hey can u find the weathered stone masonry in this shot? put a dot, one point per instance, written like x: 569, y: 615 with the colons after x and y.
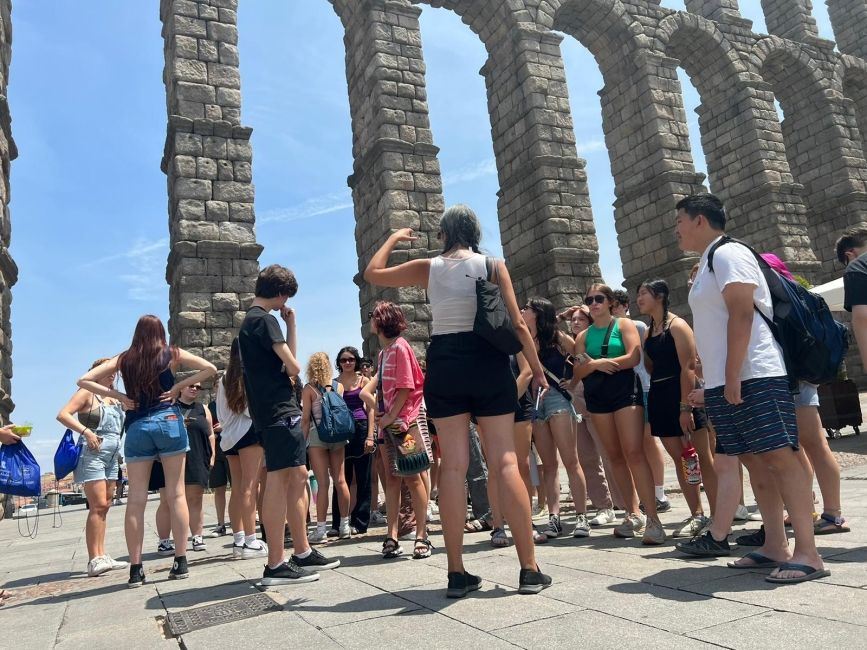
x: 8, y: 269
x: 212, y: 263
x: 790, y: 186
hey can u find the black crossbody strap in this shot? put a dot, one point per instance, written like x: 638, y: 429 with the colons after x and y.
x: 607, y: 338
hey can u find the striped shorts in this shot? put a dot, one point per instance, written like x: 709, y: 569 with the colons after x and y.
x: 764, y: 422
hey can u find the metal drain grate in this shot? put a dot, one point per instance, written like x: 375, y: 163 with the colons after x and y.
x: 236, y: 609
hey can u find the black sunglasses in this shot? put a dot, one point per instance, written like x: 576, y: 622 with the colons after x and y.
x: 347, y: 360
x: 195, y: 388
x: 598, y: 298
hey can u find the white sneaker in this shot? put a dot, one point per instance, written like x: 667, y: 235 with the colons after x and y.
x: 97, y: 566
x: 344, y: 532
x: 582, y: 527
x: 604, y: 516
x: 632, y: 525
x: 691, y: 527
x: 318, y: 536
x: 199, y: 543
x: 742, y: 513
x: 237, y: 551
x: 115, y: 564
x: 248, y: 552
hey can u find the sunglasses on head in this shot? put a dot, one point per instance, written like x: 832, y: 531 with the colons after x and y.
x: 598, y: 299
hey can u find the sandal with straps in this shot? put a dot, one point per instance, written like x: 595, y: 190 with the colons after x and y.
x: 499, y: 538
x: 391, y: 549
x: 422, y: 549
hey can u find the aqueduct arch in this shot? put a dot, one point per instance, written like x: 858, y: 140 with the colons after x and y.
x: 792, y: 194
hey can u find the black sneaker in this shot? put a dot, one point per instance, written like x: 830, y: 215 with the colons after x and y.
x: 661, y: 506
x: 287, y: 573
x: 315, y: 561
x: 705, y: 546
x: 554, y: 527
x: 756, y: 538
x: 136, y: 576
x: 179, y: 569
x: 532, y: 582
x: 460, y: 584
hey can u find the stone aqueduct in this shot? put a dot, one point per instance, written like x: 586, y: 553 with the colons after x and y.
x: 790, y: 186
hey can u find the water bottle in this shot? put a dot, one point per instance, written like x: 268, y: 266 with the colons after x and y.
x: 689, y: 463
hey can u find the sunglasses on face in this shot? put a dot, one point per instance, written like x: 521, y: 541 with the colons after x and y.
x: 195, y: 388
x: 347, y: 360
x: 599, y: 299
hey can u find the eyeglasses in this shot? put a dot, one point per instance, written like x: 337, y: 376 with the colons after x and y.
x: 599, y: 299
x: 347, y: 360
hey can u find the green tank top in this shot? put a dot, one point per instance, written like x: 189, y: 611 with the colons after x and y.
x: 596, y: 335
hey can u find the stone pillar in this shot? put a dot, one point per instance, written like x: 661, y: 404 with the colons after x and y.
x: 714, y: 9
x: 849, y: 20
x: 8, y: 269
x: 792, y: 19
x: 396, y: 179
x: 546, y: 221
x: 212, y: 263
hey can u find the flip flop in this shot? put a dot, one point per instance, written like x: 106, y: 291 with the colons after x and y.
x: 759, y: 562
x: 809, y: 572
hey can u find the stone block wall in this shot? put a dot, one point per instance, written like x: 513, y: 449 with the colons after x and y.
x: 212, y: 264
x: 8, y: 269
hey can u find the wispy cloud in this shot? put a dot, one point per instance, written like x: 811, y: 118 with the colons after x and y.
x: 313, y: 207
x: 141, y: 268
x: 473, y: 172
x: 591, y: 146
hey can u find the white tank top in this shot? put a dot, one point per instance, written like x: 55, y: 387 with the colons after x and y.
x: 452, y: 294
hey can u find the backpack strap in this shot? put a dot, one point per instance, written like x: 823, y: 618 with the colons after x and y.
x: 607, y: 339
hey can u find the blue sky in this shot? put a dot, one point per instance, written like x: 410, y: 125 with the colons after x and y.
x: 89, y: 201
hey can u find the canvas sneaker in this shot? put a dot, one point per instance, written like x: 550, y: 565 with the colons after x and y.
x: 179, y: 569
x: 287, y: 573
x: 166, y: 547
x: 582, y: 526
x: 554, y: 528
x: 199, y: 543
x: 136, y: 576
x: 218, y: 531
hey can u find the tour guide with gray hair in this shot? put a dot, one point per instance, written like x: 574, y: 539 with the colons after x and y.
x: 466, y: 376
x: 747, y: 399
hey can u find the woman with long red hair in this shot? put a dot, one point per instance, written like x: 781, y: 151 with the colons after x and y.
x: 154, y: 428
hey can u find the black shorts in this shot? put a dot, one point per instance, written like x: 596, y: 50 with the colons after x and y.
x: 606, y: 393
x: 466, y: 374
x: 220, y: 473
x: 663, y: 409
x: 524, y: 410
x: 249, y: 439
x: 284, y: 444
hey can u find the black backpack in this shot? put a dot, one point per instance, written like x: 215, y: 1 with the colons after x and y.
x: 813, y: 343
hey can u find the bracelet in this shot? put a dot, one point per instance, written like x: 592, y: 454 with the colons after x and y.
x: 685, y: 408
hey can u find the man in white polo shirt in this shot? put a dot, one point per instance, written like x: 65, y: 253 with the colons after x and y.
x: 747, y: 397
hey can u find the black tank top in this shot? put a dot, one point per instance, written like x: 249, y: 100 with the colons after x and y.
x: 555, y: 362
x: 662, y: 351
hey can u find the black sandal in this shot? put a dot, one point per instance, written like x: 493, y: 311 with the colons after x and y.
x: 422, y: 549
x: 391, y: 549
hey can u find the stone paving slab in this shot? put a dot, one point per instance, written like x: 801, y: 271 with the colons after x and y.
x: 618, y: 590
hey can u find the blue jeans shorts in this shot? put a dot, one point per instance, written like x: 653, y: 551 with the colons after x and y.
x: 808, y: 395
x: 554, y: 403
x: 100, y: 464
x: 159, y: 434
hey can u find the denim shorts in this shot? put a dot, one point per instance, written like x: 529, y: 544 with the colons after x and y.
x: 158, y: 434
x: 808, y: 395
x: 98, y: 464
x: 553, y: 404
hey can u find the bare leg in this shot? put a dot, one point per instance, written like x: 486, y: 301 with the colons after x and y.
x: 335, y: 458
x: 704, y: 442
x: 454, y: 434
x: 630, y: 430
x: 173, y: 466
x: 523, y: 436
x: 163, y: 518
x: 503, y: 462
x: 220, y: 505
x: 246, y: 485
x: 98, y: 498
x: 770, y: 502
x: 564, y: 436
x: 139, y: 474
x: 729, y: 486
x: 815, y: 445
x: 547, y: 449
x: 692, y: 493
x: 654, y: 457
x: 607, y: 431
x: 195, y: 495
x: 236, y: 497
x: 318, y: 458
x: 591, y: 464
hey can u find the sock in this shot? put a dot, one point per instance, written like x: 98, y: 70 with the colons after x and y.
x: 238, y: 538
x: 305, y: 554
x: 167, y: 540
x: 344, y: 520
x: 251, y: 541
x: 274, y: 566
x: 660, y: 493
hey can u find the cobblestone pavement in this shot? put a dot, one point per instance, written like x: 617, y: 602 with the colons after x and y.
x: 607, y: 593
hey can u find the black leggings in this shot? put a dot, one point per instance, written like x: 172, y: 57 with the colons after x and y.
x: 360, y: 466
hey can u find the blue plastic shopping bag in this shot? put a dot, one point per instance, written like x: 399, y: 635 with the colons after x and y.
x: 19, y: 471
x: 66, y: 456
